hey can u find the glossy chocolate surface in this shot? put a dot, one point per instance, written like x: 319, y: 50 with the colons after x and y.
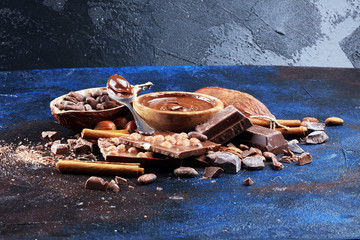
x: 177, y: 102
x: 119, y: 85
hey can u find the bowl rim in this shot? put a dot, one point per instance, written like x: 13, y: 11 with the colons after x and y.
x: 60, y: 98
x: 218, y: 103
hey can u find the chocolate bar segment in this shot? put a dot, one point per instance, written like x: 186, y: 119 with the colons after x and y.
x: 113, y: 151
x: 175, y: 145
x: 266, y: 139
x: 224, y: 125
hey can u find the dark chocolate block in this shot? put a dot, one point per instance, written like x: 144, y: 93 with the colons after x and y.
x: 267, y: 140
x: 174, y: 145
x: 224, y: 125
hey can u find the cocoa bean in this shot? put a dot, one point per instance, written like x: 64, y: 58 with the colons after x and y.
x: 147, y: 178
x: 185, y: 172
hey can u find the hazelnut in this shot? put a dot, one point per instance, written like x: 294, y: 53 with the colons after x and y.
x: 120, y: 122
x: 105, y: 125
x: 121, y: 148
x: 131, y: 126
x: 133, y: 150
x: 166, y: 144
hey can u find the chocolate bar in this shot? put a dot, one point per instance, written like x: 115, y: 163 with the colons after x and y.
x: 224, y: 125
x: 266, y: 139
x: 175, y: 145
x: 113, y: 151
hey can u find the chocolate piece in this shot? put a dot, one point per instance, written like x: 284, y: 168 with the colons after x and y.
x: 51, y: 135
x: 96, y: 183
x: 276, y: 164
x: 83, y: 146
x: 198, y: 135
x: 267, y: 140
x: 112, y: 150
x: 113, y: 186
x: 287, y: 159
x: 253, y: 163
x: 304, y: 158
x: 316, y: 137
x: 59, y: 148
x: 176, y: 145
x: 185, y: 172
x: 315, y: 126
x: 249, y: 152
x: 120, y: 180
x: 147, y: 178
x: 295, y: 148
x: 71, y: 143
x: 229, y: 162
x: 213, y: 172
x: 225, y: 125
x: 248, y: 182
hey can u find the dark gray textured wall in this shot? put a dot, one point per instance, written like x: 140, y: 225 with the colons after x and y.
x: 79, y: 33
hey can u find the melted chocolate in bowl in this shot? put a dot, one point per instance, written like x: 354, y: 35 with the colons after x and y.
x: 177, y: 103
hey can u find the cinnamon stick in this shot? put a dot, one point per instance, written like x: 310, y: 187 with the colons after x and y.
x: 96, y: 134
x: 293, y: 132
x: 98, y: 168
x: 266, y: 122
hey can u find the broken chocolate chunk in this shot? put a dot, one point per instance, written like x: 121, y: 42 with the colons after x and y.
x: 225, y: 125
x: 51, y: 135
x: 83, y: 146
x: 304, y: 158
x: 295, y: 148
x: 72, y: 143
x: 253, y: 163
x: 59, y: 149
x: 96, y: 183
x: 316, y: 137
x: 249, y: 152
x: 213, y: 172
x: 229, y: 162
x: 315, y: 126
x: 267, y: 140
x: 248, y: 182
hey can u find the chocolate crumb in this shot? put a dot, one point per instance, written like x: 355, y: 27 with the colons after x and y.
x: 248, y: 182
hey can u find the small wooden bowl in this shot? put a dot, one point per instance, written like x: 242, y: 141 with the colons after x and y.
x: 173, y: 120
x: 78, y: 120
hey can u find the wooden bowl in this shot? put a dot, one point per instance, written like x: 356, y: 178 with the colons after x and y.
x: 175, y: 121
x: 77, y: 120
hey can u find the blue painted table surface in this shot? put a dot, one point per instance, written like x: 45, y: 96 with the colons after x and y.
x: 318, y: 200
